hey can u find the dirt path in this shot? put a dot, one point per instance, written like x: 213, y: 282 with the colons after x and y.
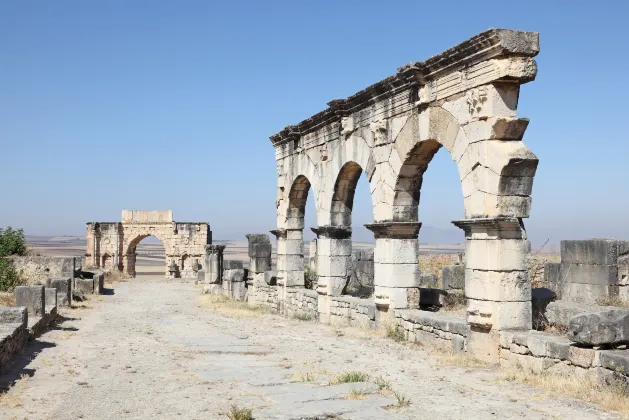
x: 152, y: 351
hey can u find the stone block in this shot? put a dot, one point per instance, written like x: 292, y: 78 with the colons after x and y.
x: 333, y: 247
x: 588, y: 274
x: 499, y: 315
x: 84, y: 286
x: 50, y: 297
x: 453, y: 277
x: 14, y: 315
x: 590, y: 251
x: 497, y: 254
x: 259, y: 265
x: 397, y: 251
x: 560, y: 312
x: 64, y: 290
x: 600, y: 328
x: 270, y: 277
x: 33, y: 298
x: 552, y: 275
x: 484, y: 344
x: 458, y: 344
x: 531, y: 363
x: 397, y: 275
x: 259, y: 245
x: 615, y: 360
x: 234, y: 275
x: 586, y: 293
x: 510, y: 286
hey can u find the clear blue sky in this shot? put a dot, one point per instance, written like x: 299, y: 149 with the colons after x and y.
x: 107, y: 105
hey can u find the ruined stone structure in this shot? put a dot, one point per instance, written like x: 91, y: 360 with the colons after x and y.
x: 463, y: 100
x: 112, y: 245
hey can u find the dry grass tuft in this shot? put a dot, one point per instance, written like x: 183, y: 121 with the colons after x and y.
x: 356, y: 394
x: 239, y: 413
x: 432, y: 264
x: 12, y: 398
x: 612, y: 301
x: 349, y: 377
x: 7, y: 299
x: 609, y: 397
x: 226, y: 306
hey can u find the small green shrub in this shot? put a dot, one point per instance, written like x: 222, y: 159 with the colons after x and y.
x: 396, y: 333
x: 12, y: 242
x: 9, y: 277
x: 382, y: 384
x: 402, y: 401
x: 302, y: 316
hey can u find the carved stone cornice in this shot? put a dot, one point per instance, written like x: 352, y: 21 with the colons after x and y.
x: 493, y: 43
x: 395, y: 230
x: 333, y: 232
x: 492, y: 227
x: 215, y: 249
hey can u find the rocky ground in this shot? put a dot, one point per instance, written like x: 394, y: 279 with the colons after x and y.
x: 154, y: 349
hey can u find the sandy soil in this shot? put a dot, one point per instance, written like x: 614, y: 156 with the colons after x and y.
x: 151, y: 349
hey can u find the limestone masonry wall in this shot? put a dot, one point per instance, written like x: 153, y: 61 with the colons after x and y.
x: 36, y: 269
x: 301, y: 303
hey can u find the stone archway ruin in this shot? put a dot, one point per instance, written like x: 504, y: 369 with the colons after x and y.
x: 463, y: 100
x: 112, y: 245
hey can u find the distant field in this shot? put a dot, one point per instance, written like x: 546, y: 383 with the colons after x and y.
x: 151, y: 255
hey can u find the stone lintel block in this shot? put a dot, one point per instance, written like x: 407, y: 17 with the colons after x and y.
x: 497, y: 255
x: 492, y: 228
x: 391, y: 297
x: 501, y: 286
x: 486, y: 314
x: 396, y: 251
x: 396, y: 275
x: 50, y: 296
x: 590, y: 251
x: 14, y: 315
x: 32, y: 297
x: 453, y: 277
x: 589, y: 274
x: 334, y: 247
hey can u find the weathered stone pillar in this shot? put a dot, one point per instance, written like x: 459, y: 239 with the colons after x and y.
x: 214, y: 266
x: 334, y: 251
x: 260, y: 251
x: 290, y: 246
x: 396, y: 265
x: 129, y: 264
x: 497, y: 284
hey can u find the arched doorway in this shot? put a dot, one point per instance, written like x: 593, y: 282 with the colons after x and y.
x: 146, y: 256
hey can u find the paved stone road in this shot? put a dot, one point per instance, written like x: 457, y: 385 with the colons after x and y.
x: 151, y: 351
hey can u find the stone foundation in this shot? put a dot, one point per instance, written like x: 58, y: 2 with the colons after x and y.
x: 434, y: 328
x: 346, y: 310
x: 301, y: 303
x: 13, y: 333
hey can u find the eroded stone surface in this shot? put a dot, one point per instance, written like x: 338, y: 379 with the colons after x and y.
x: 600, y: 328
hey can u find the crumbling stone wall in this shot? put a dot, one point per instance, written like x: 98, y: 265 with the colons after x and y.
x: 441, y: 330
x: 112, y: 245
x: 37, y: 269
x: 301, y: 303
x: 346, y: 310
x: 13, y: 333
x: 464, y: 101
x: 590, y: 270
x: 263, y: 294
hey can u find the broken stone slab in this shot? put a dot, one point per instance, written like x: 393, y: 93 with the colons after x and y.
x: 560, y: 312
x: 85, y: 286
x: 33, y: 298
x: 50, y: 298
x: 64, y: 289
x: 14, y: 315
x: 600, y: 328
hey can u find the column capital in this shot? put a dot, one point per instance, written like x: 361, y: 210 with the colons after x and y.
x: 395, y: 230
x: 492, y: 228
x: 333, y: 232
x: 279, y: 233
x: 215, y: 249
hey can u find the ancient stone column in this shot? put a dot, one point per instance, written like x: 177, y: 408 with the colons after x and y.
x: 260, y: 251
x: 334, y: 250
x: 129, y: 264
x: 214, y: 265
x: 497, y: 284
x: 396, y: 268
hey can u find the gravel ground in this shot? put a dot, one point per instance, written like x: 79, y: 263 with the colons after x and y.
x: 151, y: 350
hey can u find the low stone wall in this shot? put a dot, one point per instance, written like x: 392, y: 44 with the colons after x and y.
x: 301, y: 303
x: 263, y: 294
x: 539, y: 352
x: 435, y: 328
x: 346, y: 310
x: 13, y: 333
x: 37, y: 269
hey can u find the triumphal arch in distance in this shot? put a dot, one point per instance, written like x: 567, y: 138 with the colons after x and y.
x: 112, y: 245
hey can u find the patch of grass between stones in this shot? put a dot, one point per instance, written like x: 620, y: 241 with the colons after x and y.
x: 239, y: 413
x: 349, y: 377
x: 226, y: 306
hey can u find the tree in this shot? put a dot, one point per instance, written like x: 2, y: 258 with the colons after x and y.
x: 12, y: 242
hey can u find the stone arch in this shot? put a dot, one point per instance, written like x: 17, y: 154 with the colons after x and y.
x: 129, y: 252
x: 297, y: 198
x: 343, y: 194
